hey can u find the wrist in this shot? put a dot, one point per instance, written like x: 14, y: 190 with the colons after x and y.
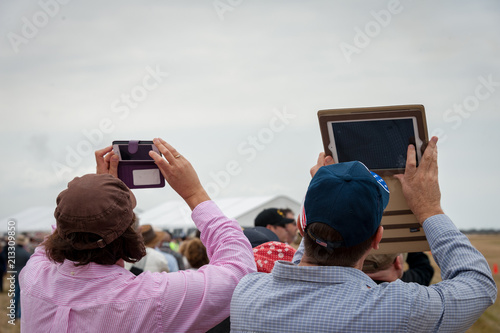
x: 196, y: 199
x: 422, y: 217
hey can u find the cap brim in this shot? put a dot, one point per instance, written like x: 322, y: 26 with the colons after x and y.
x: 287, y: 221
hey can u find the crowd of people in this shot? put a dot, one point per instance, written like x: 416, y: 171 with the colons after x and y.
x: 103, y: 270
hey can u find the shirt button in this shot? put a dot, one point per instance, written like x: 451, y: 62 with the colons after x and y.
x: 72, y: 273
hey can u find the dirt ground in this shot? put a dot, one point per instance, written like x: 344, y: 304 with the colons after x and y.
x: 488, y: 245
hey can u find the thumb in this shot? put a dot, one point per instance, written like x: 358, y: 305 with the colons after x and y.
x: 113, y: 166
x: 400, y: 177
x: 328, y: 160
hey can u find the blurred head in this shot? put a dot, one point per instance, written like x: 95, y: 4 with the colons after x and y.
x: 384, y: 267
x: 267, y: 254
x: 259, y: 235
x: 152, y: 238
x: 196, y: 253
x: 276, y: 221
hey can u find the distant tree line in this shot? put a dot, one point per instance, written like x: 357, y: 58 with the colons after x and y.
x: 481, y: 231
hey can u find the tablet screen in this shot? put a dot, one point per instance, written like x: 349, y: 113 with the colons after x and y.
x: 379, y: 143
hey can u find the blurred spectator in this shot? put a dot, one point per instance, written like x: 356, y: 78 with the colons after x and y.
x: 196, y: 253
x: 165, y: 247
x: 260, y: 235
x: 275, y: 220
x: 419, y: 269
x: 153, y: 261
x: 288, y: 213
x: 3, y: 262
x: 159, y: 236
x: 268, y: 253
x: 390, y: 267
x: 291, y: 228
x: 267, y: 249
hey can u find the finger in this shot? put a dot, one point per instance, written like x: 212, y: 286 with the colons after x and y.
x: 164, y: 148
x: 107, y: 158
x: 171, y: 149
x: 400, y: 177
x: 160, y: 162
x: 102, y: 165
x: 433, y: 167
x: 329, y: 160
x: 321, y: 159
x: 113, y: 166
x: 430, y: 151
x: 411, y: 160
x: 103, y: 151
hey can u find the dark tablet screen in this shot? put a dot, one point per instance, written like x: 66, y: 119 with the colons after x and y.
x: 379, y: 144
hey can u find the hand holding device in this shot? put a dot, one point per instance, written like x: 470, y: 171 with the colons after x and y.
x: 179, y: 173
x: 420, y: 185
x: 136, y: 168
x: 107, y: 161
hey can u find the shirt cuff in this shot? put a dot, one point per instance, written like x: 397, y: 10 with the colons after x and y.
x: 436, y: 225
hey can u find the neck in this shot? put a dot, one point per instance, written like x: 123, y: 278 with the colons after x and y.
x: 388, y: 275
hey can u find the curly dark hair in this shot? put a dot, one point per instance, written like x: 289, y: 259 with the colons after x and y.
x: 129, y: 247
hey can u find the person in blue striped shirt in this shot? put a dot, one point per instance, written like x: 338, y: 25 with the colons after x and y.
x: 328, y: 292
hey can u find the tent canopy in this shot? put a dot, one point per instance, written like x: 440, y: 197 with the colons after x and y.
x: 176, y: 215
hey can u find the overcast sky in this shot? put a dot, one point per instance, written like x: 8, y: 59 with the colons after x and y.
x: 212, y: 77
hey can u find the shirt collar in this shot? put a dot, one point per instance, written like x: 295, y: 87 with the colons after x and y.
x: 321, y: 274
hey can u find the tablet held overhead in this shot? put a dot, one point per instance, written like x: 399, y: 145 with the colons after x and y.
x: 379, y: 137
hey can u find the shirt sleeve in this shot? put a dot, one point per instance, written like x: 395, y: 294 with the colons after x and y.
x: 198, y: 300
x: 467, y: 289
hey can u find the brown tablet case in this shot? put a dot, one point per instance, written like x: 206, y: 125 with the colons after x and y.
x: 402, y: 232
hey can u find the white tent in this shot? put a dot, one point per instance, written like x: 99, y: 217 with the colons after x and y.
x: 176, y: 215
x: 39, y: 218
x: 172, y: 215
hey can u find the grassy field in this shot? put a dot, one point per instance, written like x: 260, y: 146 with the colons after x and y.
x: 489, y: 245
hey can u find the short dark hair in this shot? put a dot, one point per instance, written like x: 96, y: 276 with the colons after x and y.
x: 342, y: 256
x: 286, y: 211
x: 129, y: 247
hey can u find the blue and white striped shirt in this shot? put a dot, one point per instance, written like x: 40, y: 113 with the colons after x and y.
x: 340, y: 299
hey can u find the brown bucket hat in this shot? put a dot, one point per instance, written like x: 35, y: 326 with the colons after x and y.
x: 95, y: 203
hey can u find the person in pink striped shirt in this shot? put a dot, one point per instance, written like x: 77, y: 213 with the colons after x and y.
x: 75, y: 281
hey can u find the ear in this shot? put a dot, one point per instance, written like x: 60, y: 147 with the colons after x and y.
x: 378, y: 238
x: 270, y: 227
x: 398, y: 263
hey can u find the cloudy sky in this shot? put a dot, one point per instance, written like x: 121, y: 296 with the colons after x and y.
x: 212, y: 77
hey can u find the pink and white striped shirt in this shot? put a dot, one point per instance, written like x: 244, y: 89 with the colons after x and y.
x: 100, y: 298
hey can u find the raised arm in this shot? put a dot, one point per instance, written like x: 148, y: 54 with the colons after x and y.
x: 468, y: 288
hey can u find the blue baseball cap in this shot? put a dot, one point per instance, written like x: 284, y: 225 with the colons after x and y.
x: 347, y: 197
